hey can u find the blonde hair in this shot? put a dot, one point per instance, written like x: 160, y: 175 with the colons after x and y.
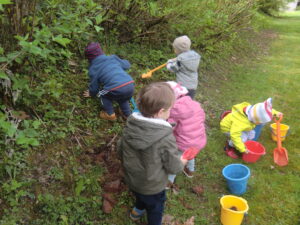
x: 154, y: 97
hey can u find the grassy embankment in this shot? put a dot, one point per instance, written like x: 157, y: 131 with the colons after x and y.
x: 273, y: 192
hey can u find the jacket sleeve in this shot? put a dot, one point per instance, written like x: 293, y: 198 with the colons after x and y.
x: 170, y: 156
x: 94, y: 86
x: 123, y: 62
x: 274, y: 112
x: 177, y: 112
x: 173, y: 65
x: 235, y: 136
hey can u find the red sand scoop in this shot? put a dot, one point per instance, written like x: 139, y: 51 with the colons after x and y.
x: 190, y: 153
x: 280, y: 154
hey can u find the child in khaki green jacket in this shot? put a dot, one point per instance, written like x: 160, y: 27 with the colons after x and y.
x: 239, y: 124
x: 148, y: 151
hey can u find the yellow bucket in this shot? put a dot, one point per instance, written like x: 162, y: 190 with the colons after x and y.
x: 283, y: 131
x: 233, y: 209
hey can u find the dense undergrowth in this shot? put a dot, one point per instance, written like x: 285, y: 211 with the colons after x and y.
x: 49, y: 133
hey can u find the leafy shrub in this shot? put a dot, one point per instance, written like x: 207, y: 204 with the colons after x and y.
x: 70, y: 210
x: 272, y: 7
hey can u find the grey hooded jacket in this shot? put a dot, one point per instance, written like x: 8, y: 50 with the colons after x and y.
x: 186, y: 68
x: 148, y: 153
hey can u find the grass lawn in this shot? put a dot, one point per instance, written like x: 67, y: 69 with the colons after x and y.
x: 273, y: 192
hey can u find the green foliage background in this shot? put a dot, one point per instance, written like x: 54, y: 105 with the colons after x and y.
x: 45, y: 125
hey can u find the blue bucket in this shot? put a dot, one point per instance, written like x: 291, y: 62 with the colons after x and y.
x: 236, y: 176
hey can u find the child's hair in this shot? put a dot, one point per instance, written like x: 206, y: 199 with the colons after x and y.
x: 182, y: 44
x: 154, y: 97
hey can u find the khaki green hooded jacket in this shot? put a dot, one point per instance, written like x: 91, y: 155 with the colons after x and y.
x: 148, y: 153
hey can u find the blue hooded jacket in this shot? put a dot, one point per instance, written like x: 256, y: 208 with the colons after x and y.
x: 108, y: 71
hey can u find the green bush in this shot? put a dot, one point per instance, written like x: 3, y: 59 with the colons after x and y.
x: 272, y: 7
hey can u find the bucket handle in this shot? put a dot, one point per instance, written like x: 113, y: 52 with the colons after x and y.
x: 279, y: 120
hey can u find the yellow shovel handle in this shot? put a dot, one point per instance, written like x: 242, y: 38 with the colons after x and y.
x: 157, y: 68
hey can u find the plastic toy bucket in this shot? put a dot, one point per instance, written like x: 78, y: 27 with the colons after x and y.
x: 255, y: 151
x: 233, y: 209
x: 283, y: 131
x: 236, y: 176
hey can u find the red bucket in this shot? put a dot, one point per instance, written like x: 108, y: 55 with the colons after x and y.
x: 255, y: 151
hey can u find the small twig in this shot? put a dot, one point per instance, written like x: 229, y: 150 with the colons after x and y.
x: 78, y: 141
x: 112, y: 140
x: 39, y: 118
x: 31, y: 81
x: 83, y: 131
x: 71, y: 113
x: 82, y: 138
x: 138, y: 36
x: 5, y: 65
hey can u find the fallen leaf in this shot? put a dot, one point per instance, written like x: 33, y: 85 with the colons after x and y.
x: 72, y: 63
x: 190, y: 221
x: 113, y: 186
x: 21, y: 115
x: 187, y: 206
x: 110, y: 198
x: 198, y: 190
x: 167, y: 219
x: 106, y: 206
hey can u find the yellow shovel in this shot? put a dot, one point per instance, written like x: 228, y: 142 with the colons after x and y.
x: 149, y: 73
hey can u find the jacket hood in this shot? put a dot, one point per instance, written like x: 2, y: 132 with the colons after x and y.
x: 142, y: 132
x: 239, y: 109
x: 182, y: 108
x: 190, y: 60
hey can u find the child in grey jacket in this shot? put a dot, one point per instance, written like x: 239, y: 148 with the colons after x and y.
x: 185, y: 65
x: 148, y: 151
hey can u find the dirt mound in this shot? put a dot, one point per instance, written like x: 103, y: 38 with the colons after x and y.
x: 112, y: 181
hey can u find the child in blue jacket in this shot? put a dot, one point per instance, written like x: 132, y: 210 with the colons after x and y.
x: 109, y: 72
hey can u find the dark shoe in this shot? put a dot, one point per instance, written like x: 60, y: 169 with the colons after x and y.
x: 105, y: 116
x: 135, y: 215
x: 188, y: 173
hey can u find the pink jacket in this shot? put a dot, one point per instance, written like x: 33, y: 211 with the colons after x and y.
x: 190, y: 128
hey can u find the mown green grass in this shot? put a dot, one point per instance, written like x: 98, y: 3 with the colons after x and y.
x: 273, y: 192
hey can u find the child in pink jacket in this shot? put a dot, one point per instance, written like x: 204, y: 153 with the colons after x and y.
x: 189, y: 129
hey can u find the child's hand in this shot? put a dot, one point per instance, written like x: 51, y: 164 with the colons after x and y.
x: 86, y: 94
x: 247, y: 151
x: 184, y: 161
x: 172, y: 60
x: 279, y: 114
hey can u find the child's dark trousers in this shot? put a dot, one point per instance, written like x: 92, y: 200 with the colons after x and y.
x: 154, y: 205
x: 122, y: 96
x: 191, y: 93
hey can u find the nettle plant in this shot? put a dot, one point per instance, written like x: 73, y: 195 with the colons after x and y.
x: 35, y: 48
x: 47, y: 38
